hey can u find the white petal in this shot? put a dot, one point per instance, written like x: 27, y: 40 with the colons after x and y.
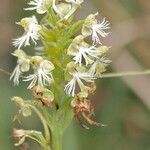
x: 16, y: 75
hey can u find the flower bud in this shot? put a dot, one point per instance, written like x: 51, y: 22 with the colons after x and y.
x: 26, y: 111
x: 103, y: 49
x: 19, y: 101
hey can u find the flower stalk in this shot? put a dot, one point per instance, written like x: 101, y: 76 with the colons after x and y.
x: 46, y: 130
x: 122, y: 74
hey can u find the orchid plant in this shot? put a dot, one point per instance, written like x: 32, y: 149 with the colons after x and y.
x: 62, y: 76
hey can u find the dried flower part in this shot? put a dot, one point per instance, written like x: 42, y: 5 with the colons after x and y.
x: 84, y: 108
x: 24, y: 146
x: 45, y: 96
x: 18, y: 133
x: 21, y: 135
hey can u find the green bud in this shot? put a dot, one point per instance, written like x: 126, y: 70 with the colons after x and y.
x: 103, y: 49
x: 48, y: 95
x: 26, y: 111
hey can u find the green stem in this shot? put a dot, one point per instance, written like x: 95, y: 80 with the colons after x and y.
x: 56, y: 138
x: 121, y: 74
x: 46, y: 129
x: 5, y: 72
x: 47, y: 148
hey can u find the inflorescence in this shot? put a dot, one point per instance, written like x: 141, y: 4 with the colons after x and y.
x: 68, y: 64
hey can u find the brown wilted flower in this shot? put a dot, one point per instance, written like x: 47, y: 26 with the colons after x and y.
x: 43, y: 95
x: 84, y: 108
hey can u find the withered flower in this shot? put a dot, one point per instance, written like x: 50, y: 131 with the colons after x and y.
x: 83, y: 108
x: 43, y: 95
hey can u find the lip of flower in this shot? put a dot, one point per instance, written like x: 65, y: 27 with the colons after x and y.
x: 23, y: 65
x: 16, y: 75
x: 31, y: 28
x: 82, y: 51
x: 77, y: 77
x: 99, y: 28
x: 38, y: 5
x: 89, y: 54
x: 95, y: 28
x: 42, y: 75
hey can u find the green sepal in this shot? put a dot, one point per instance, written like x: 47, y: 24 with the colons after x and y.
x: 75, y: 28
x: 47, y: 34
x: 52, y: 20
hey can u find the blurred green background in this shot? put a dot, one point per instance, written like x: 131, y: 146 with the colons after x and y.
x: 121, y: 103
